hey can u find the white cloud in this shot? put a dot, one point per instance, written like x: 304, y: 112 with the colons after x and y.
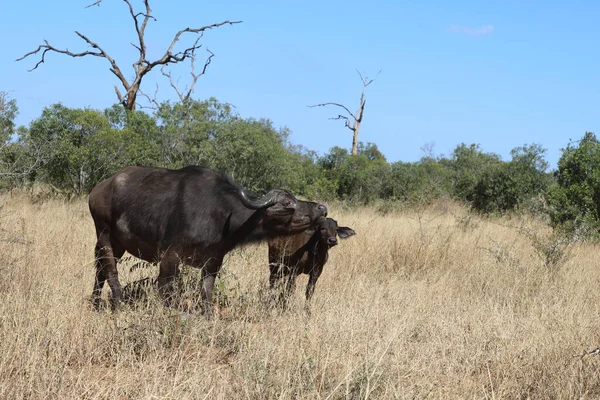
x: 472, y: 31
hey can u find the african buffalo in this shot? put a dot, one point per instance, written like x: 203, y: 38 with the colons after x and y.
x: 303, y: 253
x: 193, y: 215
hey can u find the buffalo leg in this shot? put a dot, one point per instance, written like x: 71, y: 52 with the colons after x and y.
x: 106, y: 269
x: 286, y: 278
x: 310, y: 287
x: 275, y: 276
x: 290, y: 286
x: 169, y: 270
x: 312, y: 281
x: 210, y: 269
x: 100, y: 279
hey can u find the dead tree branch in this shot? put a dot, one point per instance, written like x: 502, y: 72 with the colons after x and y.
x: 151, y: 100
x: 366, y: 82
x: 185, y: 95
x: 338, y: 105
x: 355, y: 118
x: 142, y: 66
x: 97, y: 3
x: 22, y: 167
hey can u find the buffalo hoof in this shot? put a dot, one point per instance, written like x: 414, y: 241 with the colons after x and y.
x: 98, y: 304
x: 307, y: 310
x: 208, y: 312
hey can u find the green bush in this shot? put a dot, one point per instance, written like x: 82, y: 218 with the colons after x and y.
x: 419, y: 183
x: 80, y: 147
x: 73, y: 149
x: 575, y: 199
x: 467, y: 165
x: 360, y: 178
x: 8, y: 113
x: 508, y: 186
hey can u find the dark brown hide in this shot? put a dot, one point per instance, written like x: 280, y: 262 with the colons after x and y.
x: 303, y: 253
x: 193, y: 215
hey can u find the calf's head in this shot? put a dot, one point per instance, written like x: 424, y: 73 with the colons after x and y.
x: 329, y: 230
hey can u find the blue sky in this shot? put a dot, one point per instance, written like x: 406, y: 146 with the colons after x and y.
x: 498, y: 73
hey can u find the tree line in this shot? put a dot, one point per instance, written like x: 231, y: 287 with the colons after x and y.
x: 71, y: 149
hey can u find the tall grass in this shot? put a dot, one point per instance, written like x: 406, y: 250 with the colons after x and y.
x: 434, y: 303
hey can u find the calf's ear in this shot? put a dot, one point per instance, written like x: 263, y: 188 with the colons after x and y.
x: 310, y: 232
x: 344, y: 232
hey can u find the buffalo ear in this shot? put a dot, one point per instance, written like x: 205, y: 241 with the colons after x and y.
x: 310, y: 232
x: 344, y: 232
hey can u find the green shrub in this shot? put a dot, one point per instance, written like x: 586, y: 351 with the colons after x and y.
x: 575, y: 199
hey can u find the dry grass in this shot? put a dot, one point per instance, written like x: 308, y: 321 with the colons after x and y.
x: 432, y: 304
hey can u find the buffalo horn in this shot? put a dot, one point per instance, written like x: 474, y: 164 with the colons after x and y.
x: 267, y: 200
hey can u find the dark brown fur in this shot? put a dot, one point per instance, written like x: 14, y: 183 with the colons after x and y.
x: 193, y: 215
x: 303, y: 253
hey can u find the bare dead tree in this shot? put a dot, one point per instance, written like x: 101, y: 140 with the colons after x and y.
x: 142, y: 66
x: 354, y: 120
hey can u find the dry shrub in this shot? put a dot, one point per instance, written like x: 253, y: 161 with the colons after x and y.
x: 428, y: 303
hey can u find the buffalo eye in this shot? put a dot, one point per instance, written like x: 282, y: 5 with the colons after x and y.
x: 287, y: 203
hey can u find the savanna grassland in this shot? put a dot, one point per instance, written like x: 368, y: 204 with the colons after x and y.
x: 432, y: 303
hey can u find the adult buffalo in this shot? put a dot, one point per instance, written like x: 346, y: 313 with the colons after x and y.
x: 192, y: 215
x: 303, y: 253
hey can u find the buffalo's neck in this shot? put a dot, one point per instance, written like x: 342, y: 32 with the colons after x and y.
x: 244, y: 226
x: 316, y: 247
x: 317, y: 250
x: 308, y: 248
x: 314, y: 243
x: 320, y: 249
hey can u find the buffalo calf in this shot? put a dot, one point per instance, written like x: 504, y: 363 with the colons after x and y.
x: 303, y: 253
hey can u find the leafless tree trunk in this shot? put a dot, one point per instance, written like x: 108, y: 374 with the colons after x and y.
x: 142, y: 66
x: 353, y: 123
